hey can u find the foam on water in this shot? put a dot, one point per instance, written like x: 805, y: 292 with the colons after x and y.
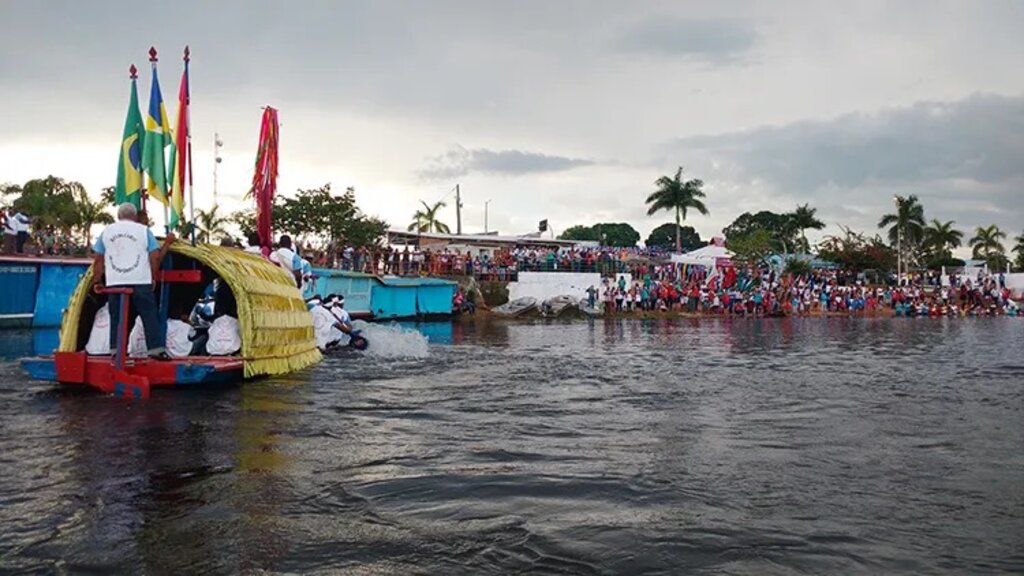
x: 393, y: 341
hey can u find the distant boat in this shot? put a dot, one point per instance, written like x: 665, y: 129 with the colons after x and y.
x: 517, y: 307
x: 558, y: 305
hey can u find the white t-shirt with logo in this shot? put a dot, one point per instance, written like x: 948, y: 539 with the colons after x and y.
x: 125, y: 246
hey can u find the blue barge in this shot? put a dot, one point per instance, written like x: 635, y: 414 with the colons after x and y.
x: 35, y: 291
x: 385, y: 298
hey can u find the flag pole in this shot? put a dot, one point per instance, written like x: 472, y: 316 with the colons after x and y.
x: 188, y: 151
x: 133, y: 73
x: 152, y: 61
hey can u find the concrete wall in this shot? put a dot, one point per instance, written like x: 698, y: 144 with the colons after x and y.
x: 1015, y: 282
x: 544, y: 285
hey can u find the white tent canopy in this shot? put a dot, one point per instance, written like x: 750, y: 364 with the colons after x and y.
x: 707, y: 256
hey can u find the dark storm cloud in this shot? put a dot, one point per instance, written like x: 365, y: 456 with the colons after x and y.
x: 460, y: 161
x: 963, y: 158
x: 980, y: 138
x: 712, y: 40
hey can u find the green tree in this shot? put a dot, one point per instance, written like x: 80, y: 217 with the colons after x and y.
x: 318, y: 217
x: 580, y: 233
x: 906, y: 226
x: 986, y: 245
x: 1019, y: 250
x: 803, y: 218
x: 940, y: 238
x: 751, y: 248
x: 618, y: 234
x: 211, y: 224
x: 855, y: 251
x: 108, y: 195
x: 676, y: 195
x: 781, y: 228
x: 88, y: 213
x: 426, y: 220
x: 49, y: 201
x: 664, y: 237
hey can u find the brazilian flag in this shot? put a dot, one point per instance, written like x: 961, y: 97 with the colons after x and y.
x: 129, y: 168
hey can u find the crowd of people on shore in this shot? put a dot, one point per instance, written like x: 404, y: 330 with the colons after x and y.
x: 501, y: 264
x: 763, y: 292
x: 24, y: 236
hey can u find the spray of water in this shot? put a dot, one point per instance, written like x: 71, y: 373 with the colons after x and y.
x: 392, y: 341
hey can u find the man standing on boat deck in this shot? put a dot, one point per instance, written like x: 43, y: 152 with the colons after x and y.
x: 128, y: 256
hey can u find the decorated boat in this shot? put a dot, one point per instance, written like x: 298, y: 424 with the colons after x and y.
x: 275, y: 328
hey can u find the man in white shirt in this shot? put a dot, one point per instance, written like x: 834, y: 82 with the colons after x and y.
x: 326, y: 328
x: 10, y: 231
x: 127, y: 256
x: 286, y: 258
x: 254, y: 244
x: 16, y: 226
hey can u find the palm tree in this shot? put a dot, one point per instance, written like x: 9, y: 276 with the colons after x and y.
x: 986, y: 245
x: 88, y: 213
x: 906, y: 226
x: 942, y: 238
x: 425, y: 220
x: 1019, y: 249
x: 209, y: 223
x: 803, y: 218
x: 678, y: 196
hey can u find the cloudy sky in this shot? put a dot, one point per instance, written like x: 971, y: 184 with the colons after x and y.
x: 562, y: 110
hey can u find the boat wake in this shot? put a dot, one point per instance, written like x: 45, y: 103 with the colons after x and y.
x: 393, y: 341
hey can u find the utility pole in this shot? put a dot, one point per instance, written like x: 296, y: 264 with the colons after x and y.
x: 899, y: 240
x: 486, y: 230
x: 458, y: 211
x: 217, y: 143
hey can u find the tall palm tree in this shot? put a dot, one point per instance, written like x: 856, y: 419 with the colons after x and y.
x: 425, y: 220
x: 210, y: 223
x: 88, y: 213
x: 906, y: 225
x: 677, y: 195
x: 986, y: 245
x: 802, y: 219
x: 942, y: 238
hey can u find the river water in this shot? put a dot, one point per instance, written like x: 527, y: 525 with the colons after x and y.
x: 796, y: 446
